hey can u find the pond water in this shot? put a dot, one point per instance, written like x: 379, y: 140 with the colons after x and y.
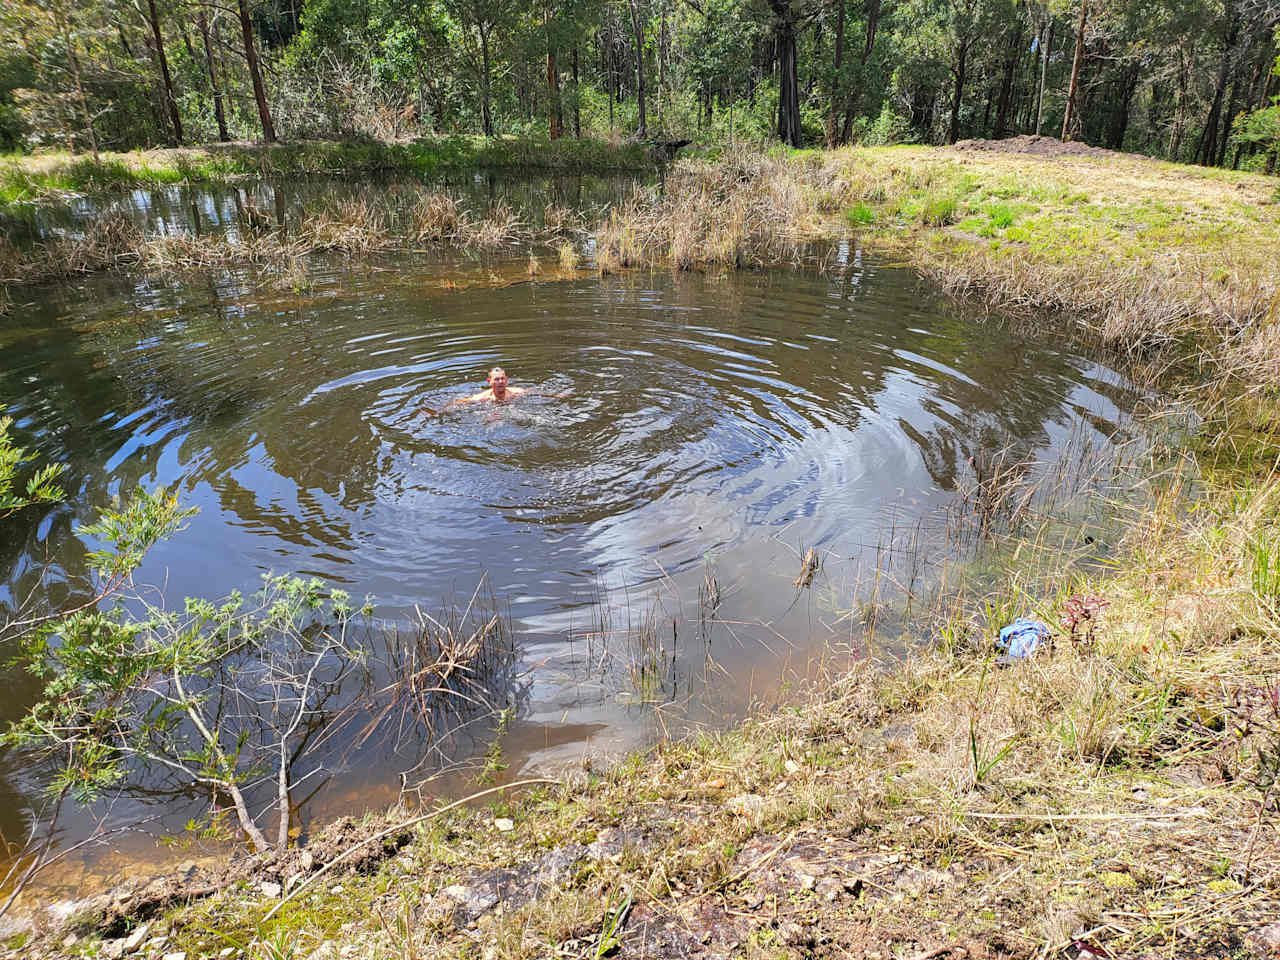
x: 680, y: 431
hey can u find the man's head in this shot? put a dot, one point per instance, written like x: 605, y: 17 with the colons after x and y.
x: 498, y: 381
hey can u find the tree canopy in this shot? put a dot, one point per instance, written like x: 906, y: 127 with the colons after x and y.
x: 1189, y: 80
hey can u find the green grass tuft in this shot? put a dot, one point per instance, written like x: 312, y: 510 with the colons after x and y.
x: 939, y: 210
x: 860, y: 214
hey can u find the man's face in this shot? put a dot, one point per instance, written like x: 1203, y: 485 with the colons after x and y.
x: 498, y: 381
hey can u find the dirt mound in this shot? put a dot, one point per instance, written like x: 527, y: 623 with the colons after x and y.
x: 1037, y: 146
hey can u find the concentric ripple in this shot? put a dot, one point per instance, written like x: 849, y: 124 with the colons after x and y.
x: 666, y: 421
x: 672, y: 424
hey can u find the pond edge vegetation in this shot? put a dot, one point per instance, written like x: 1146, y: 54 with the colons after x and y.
x: 1115, y: 795
x: 36, y: 178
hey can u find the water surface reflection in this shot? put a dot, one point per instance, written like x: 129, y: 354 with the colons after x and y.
x: 713, y: 423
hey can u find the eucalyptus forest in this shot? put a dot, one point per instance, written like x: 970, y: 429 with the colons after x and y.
x: 1185, y: 80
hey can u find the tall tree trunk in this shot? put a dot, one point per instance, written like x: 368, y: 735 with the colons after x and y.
x: 203, y: 26
x: 162, y: 62
x: 837, y: 61
x: 1120, y: 114
x: 255, y: 73
x: 868, y: 44
x: 64, y: 26
x: 1207, y: 146
x: 1070, y: 119
x: 577, y: 100
x: 1012, y: 56
x: 958, y: 71
x: 1045, y: 45
x: 1180, y: 113
x: 788, y: 74
x: 553, y: 96
x: 486, y: 114
x: 638, y: 33
x: 1232, y: 106
x: 662, y: 63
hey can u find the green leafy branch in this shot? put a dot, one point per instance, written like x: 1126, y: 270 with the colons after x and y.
x: 40, y: 488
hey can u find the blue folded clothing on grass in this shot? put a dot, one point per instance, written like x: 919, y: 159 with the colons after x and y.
x: 1021, y: 639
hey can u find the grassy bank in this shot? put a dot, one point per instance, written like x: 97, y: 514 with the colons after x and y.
x: 32, y: 179
x: 1116, y: 796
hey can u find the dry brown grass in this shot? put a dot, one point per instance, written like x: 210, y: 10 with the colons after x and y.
x: 435, y: 217
x: 362, y: 225
x: 111, y: 240
x: 746, y: 209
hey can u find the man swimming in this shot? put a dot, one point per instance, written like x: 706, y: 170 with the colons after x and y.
x: 498, y: 392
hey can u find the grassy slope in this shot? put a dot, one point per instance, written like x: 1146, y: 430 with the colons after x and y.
x: 1115, y: 792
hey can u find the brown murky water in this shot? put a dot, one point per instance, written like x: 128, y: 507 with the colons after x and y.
x: 714, y: 425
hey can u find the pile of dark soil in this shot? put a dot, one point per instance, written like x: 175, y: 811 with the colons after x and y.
x: 1036, y: 146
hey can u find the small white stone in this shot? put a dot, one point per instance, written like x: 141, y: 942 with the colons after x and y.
x: 134, y: 940
x: 504, y: 825
x: 269, y: 888
x: 336, y: 890
x: 176, y: 955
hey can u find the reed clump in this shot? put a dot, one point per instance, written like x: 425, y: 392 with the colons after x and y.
x: 745, y: 209
x: 354, y: 226
x: 435, y: 217
x: 500, y: 225
x: 362, y: 225
x: 111, y: 240
x: 568, y: 256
